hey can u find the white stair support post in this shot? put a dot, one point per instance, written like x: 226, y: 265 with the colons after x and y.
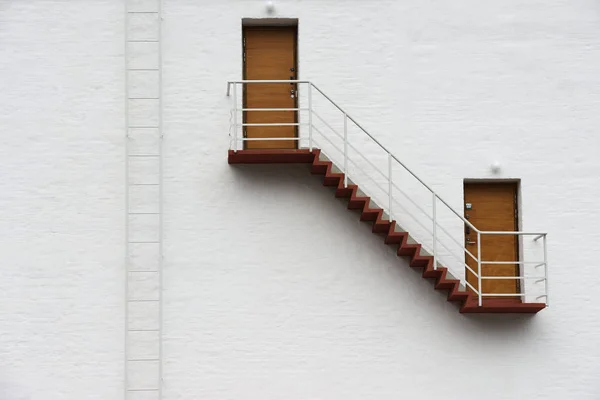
x: 434, y: 196
x: 546, y: 271
x: 235, y: 111
x: 345, y: 150
x: 479, y: 288
x: 390, y: 187
x: 310, y: 124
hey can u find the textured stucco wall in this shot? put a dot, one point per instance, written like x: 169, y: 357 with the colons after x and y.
x: 61, y: 200
x: 271, y: 288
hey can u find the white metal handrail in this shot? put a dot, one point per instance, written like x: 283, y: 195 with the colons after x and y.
x: 391, y: 185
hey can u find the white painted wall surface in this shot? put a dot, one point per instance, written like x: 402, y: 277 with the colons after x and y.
x: 61, y: 200
x: 272, y: 289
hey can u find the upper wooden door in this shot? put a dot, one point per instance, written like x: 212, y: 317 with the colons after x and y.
x: 270, y: 54
x: 493, y: 207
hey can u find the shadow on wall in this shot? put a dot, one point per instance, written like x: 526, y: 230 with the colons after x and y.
x: 280, y: 178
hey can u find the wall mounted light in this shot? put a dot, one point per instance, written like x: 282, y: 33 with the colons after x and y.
x: 270, y: 7
x: 495, y: 167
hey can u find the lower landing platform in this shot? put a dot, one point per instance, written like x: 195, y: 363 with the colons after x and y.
x: 502, y: 306
x: 271, y: 156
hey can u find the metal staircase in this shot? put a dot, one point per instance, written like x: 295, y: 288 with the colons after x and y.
x: 143, y: 290
x: 357, y: 159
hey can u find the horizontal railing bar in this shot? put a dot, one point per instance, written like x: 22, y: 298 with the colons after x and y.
x: 271, y: 109
x: 274, y: 124
x: 510, y: 233
x: 510, y: 262
x: 512, y: 277
x: 268, y: 139
x: 268, y: 81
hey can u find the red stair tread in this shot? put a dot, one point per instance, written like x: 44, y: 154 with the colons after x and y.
x: 467, y: 301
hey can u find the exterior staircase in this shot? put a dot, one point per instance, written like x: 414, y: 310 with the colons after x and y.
x: 389, y: 230
x: 340, y: 159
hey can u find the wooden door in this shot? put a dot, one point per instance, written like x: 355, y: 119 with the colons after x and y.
x: 493, y: 207
x: 270, y: 54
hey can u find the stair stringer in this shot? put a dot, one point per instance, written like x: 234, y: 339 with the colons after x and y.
x: 392, y: 232
x: 397, y: 227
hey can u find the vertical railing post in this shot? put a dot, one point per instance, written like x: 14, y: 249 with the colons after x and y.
x: 479, y: 288
x: 310, y: 125
x: 546, y: 272
x: 390, y: 186
x: 235, y: 117
x: 345, y: 150
x: 434, y: 231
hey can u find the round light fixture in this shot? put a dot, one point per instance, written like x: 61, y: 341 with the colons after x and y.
x: 495, y: 167
x: 270, y: 7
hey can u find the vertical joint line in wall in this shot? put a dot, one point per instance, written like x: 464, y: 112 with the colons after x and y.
x: 126, y: 216
x: 160, y: 201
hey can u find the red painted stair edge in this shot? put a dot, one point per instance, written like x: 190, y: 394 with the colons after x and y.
x: 467, y: 302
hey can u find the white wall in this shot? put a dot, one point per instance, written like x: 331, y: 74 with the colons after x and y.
x: 271, y: 288
x: 61, y: 200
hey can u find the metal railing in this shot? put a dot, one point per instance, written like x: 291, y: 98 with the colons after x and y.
x: 306, y: 134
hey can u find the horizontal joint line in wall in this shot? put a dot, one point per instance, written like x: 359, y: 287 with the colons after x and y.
x: 143, y: 69
x: 156, y: 242
x: 149, y: 270
x: 144, y: 272
x: 142, y: 12
x: 144, y: 127
x: 142, y: 390
x: 144, y: 184
x: 142, y: 41
x: 143, y: 330
x: 144, y: 359
x: 142, y: 300
x: 143, y: 98
x: 144, y: 155
x: 143, y: 213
